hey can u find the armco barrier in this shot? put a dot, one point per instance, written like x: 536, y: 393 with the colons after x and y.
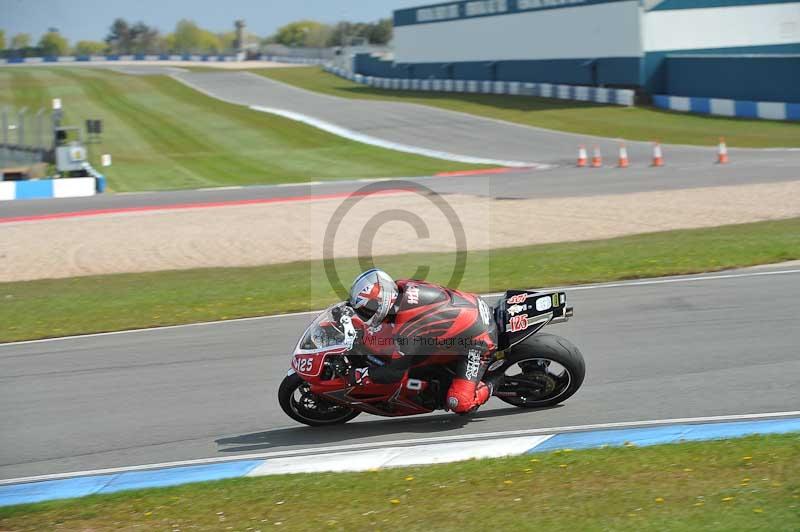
x: 542, y: 90
x: 733, y: 108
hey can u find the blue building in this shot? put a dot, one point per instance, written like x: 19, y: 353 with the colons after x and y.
x: 738, y: 49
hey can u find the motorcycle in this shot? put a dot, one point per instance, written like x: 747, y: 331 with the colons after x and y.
x: 529, y: 369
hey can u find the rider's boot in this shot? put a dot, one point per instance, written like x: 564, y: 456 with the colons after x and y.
x: 461, y: 396
x: 465, y: 396
x: 482, y: 393
x: 493, y: 382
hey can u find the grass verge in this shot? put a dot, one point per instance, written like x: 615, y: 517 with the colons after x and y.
x: 741, y: 484
x: 633, y: 123
x: 164, y: 135
x: 60, y: 307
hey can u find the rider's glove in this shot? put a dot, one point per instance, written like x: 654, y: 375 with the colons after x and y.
x: 358, y: 377
x: 342, y: 310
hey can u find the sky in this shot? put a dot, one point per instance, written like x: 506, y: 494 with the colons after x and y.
x: 90, y: 19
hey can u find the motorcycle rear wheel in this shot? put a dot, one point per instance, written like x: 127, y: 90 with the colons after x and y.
x: 301, y: 405
x: 544, y: 370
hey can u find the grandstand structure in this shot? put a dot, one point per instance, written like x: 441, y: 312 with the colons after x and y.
x: 725, y: 49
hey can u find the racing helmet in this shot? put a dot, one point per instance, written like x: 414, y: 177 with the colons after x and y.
x: 372, y: 295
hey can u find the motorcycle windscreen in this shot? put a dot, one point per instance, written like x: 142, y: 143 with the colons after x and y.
x: 324, y: 332
x: 324, y: 336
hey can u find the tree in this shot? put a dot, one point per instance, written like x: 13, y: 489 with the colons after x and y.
x: 296, y: 33
x: 2, y: 39
x: 380, y: 32
x: 90, y: 48
x: 20, y: 40
x: 318, y: 36
x: 374, y: 32
x: 138, y: 38
x: 53, y: 43
x: 228, y: 41
x: 144, y: 39
x: 166, y: 43
x: 119, y: 37
x: 190, y: 38
x: 210, y: 43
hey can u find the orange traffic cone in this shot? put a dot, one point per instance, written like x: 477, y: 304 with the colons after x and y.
x: 582, y: 158
x: 623, y: 156
x: 722, y: 151
x: 597, y: 158
x: 658, y: 157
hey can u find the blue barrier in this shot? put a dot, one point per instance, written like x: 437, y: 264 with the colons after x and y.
x: 42, y: 188
x: 727, y: 107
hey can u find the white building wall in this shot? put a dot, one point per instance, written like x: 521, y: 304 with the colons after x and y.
x: 722, y: 27
x: 597, y: 30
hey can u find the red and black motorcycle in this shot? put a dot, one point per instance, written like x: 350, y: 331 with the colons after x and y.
x: 529, y: 370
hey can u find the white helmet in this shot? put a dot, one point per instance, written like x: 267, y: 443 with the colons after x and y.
x: 372, y: 295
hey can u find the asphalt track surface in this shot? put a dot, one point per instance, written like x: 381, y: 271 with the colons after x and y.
x: 431, y: 128
x: 709, y: 345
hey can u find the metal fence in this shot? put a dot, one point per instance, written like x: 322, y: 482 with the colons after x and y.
x: 26, y: 137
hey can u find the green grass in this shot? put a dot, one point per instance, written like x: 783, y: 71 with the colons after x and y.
x: 114, y: 302
x: 741, y: 484
x: 633, y: 123
x: 164, y: 135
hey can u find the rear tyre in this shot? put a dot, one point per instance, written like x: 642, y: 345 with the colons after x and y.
x: 544, y: 370
x: 300, y: 404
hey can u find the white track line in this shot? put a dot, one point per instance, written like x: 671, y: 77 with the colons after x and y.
x: 554, y: 132
x: 669, y: 280
x: 360, y: 137
x: 644, y: 282
x: 375, y: 141
x: 392, y: 443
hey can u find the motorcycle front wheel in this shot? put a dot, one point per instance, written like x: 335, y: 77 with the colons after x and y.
x: 300, y: 404
x: 544, y: 370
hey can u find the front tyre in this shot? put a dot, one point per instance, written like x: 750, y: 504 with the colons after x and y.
x: 300, y: 404
x: 544, y: 370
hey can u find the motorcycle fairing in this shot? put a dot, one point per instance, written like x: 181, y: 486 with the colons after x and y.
x: 395, y: 403
x: 521, y: 313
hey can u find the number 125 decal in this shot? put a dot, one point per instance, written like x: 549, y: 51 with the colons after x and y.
x: 518, y: 323
x: 303, y: 365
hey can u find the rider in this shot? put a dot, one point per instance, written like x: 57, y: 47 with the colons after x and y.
x: 408, y: 319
